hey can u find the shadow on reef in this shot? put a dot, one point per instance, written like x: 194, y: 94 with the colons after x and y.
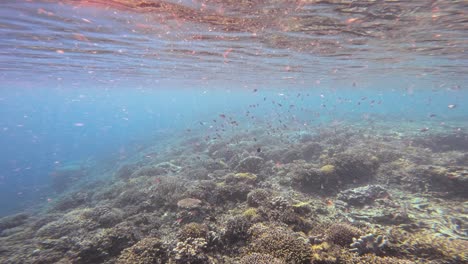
x: 339, y: 195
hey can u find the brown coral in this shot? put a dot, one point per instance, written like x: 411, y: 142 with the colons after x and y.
x: 342, y: 234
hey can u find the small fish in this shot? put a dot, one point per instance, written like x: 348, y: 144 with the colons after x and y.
x: 222, y: 115
x: 432, y: 115
x: 259, y: 150
x: 424, y: 129
x: 452, y: 106
x: 255, y: 90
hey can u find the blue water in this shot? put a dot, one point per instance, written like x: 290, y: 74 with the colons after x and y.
x: 87, y: 84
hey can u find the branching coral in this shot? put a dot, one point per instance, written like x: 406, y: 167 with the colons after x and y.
x: 190, y: 251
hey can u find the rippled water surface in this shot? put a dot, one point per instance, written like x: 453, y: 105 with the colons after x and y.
x: 254, y: 43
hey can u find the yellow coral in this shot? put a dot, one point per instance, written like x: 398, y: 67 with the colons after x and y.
x: 301, y: 204
x: 251, y: 213
x: 328, y: 169
x: 246, y: 176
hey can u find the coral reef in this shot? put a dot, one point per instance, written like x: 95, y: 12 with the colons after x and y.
x: 328, y: 195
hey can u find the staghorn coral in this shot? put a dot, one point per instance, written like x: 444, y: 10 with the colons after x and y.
x: 149, y: 250
x: 279, y: 242
x: 191, y: 251
x: 342, y: 234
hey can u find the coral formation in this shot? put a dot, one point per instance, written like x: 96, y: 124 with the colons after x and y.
x: 324, y: 196
x: 191, y: 251
x: 342, y: 234
x: 280, y: 243
x: 369, y: 244
x: 189, y: 203
x: 193, y: 230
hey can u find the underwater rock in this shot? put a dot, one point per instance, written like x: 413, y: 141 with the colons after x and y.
x: 256, y: 258
x: 362, y: 195
x: 149, y: 250
x: 369, y: 244
x: 252, y: 164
